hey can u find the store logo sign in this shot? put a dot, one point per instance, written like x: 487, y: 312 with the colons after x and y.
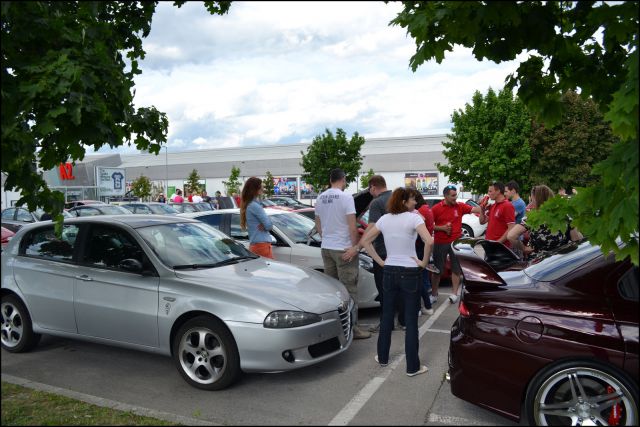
x: 66, y: 171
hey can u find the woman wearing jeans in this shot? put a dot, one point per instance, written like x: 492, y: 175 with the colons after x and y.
x: 255, y: 219
x: 402, y: 272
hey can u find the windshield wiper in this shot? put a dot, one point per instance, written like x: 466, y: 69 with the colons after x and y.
x: 215, y: 264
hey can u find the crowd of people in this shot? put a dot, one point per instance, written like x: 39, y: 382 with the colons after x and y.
x: 403, y: 235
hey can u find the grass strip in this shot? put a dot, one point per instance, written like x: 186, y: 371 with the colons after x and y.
x: 26, y: 407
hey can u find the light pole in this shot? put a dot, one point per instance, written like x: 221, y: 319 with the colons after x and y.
x: 166, y: 170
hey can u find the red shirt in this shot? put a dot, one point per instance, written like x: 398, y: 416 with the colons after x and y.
x: 425, y: 211
x: 444, y: 213
x: 500, y: 215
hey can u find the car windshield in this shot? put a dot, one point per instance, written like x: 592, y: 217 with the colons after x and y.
x: 472, y: 203
x: 162, y: 209
x: 267, y: 202
x: 295, y: 226
x: 113, y: 210
x: 193, y: 245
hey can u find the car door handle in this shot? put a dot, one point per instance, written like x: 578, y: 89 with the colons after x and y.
x: 85, y: 278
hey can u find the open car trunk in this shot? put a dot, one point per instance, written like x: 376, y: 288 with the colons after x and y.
x: 481, y: 261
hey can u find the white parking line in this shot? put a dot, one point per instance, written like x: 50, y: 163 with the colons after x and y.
x: 350, y: 410
x: 99, y: 401
x: 454, y: 421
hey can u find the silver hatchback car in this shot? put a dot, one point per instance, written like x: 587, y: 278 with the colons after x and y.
x: 173, y: 286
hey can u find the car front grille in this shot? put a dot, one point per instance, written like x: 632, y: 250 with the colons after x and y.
x: 345, y: 319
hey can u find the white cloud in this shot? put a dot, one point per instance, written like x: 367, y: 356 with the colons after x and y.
x: 272, y: 72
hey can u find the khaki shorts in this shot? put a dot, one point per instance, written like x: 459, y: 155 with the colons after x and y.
x: 344, y: 271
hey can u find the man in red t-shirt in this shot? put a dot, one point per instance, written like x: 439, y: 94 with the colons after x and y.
x: 501, y: 215
x: 447, y: 216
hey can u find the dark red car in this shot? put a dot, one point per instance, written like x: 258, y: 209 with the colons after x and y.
x: 555, y: 337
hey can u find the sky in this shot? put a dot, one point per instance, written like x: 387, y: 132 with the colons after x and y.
x: 282, y: 72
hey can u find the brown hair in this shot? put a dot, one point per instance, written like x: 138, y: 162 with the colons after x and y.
x: 420, y: 201
x: 396, y: 203
x: 541, y: 193
x: 249, y: 192
x: 377, y: 181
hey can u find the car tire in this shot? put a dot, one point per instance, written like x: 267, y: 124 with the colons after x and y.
x: 467, y: 231
x: 576, y: 389
x: 17, y: 330
x: 206, y: 353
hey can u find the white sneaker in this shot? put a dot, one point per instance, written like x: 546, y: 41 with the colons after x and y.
x: 381, y: 364
x: 419, y: 313
x: 433, y: 299
x: 453, y: 299
x: 427, y: 311
x: 422, y: 370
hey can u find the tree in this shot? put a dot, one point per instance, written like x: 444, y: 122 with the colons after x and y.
x: 327, y: 152
x: 268, y: 185
x: 66, y: 85
x: 141, y: 187
x: 592, y: 46
x: 364, y: 179
x: 563, y: 156
x: 233, y: 185
x: 193, y: 183
x: 489, y: 142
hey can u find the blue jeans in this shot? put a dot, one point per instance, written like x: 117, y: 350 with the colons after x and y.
x: 426, y: 281
x: 400, y: 283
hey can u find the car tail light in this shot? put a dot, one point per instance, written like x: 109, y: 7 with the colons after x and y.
x: 464, y: 311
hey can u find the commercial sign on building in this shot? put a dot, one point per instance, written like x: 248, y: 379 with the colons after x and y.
x: 66, y: 171
x: 426, y: 182
x: 111, y: 181
x: 285, y: 186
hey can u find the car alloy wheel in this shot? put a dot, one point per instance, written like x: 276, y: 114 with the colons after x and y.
x: 206, y: 354
x: 466, y: 231
x: 582, y: 393
x: 17, y: 333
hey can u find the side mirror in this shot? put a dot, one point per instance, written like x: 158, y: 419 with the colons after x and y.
x: 131, y: 265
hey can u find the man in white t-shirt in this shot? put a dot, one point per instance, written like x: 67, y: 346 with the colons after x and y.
x: 336, y: 223
x: 196, y: 198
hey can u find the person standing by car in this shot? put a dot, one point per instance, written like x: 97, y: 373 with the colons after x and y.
x: 512, y: 190
x: 402, y: 272
x: 542, y: 238
x: 336, y: 224
x: 447, y: 216
x: 178, y: 198
x: 425, y: 291
x: 254, y: 219
x: 501, y: 215
x: 161, y: 198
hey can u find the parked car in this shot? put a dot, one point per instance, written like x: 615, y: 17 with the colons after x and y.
x: 6, y: 236
x: 289, y: 202
x: 150, y: 208
x: 15, y: 217
x: 471, y: 226
x: 174, y: 286
x: 185, y: 207
x: 294, y: 241
x: 75, y: 203
x: 557, y: 335
x: 97, y: 209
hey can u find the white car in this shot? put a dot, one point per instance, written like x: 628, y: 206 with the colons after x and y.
x: 471, y: 226
x: 292, y: 243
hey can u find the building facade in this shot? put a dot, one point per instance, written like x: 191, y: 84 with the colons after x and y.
x: 401, y: 160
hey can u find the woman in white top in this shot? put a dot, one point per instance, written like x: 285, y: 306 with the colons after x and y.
x: 402, y: 272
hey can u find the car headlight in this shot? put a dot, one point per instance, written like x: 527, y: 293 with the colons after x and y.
x: 366, y: 262
x: 290, y: 319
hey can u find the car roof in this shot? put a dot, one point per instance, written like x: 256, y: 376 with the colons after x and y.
x: 269, y: 211
x: 133, y: 221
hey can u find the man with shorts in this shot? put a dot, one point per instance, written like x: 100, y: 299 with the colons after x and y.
x: 336, y: 223
x: 447, y: 216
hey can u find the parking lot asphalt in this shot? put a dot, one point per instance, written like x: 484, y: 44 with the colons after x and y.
x: 350, y: 389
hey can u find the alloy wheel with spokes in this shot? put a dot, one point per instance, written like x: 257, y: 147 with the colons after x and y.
x: 206, y: 353
x: 586, y: 393
x: 16, y: 332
